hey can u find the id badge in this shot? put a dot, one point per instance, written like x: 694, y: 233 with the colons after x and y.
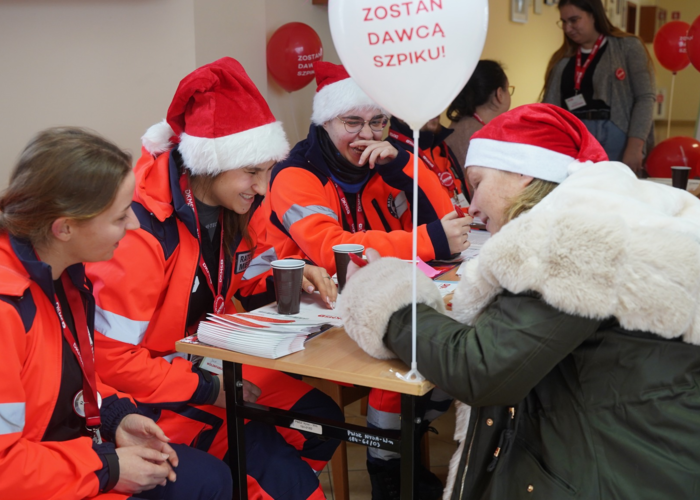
x: 79, y: 403
x: 461, y: 200
x: 575, y: 102
x: 215, y: 366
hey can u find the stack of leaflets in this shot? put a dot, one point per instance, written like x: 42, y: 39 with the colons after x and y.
x: 266, y: 333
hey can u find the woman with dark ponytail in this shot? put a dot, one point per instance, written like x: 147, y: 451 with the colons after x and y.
x: 485, y: 96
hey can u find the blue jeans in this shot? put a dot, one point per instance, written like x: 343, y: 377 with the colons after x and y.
x: 610, y: 136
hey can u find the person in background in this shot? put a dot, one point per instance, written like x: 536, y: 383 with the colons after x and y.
x: 435, y: 153
x: 63, y: 433
x: 343, y: 184
x: 605, y: 77
x: 199, y: 182
x: 485, y: 96
x: 575, y: 339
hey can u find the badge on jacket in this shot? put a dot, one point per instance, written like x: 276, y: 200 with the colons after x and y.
x: 620, y: 74
x: 242, y: 261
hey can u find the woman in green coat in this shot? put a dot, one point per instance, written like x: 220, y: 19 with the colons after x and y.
x: 574, y: 335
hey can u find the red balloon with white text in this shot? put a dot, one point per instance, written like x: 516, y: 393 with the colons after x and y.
x: 694, y: 43
x: 670, y: 46
x: 291, y: 52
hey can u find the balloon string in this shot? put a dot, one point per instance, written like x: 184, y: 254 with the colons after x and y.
x: 414, y: 329
x: 670, y: 106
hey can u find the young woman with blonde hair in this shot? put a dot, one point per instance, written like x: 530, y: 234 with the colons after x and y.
x: 574, y: 335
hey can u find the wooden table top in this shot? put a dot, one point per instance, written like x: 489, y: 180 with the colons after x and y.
x: 332, y: 356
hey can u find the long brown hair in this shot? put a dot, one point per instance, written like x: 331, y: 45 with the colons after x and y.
x: 234, y: 223
x: 602, y: 26
x: 62, y: 172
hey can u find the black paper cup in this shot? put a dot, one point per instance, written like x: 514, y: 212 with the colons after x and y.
x: 342, y: 259
x: 680, y: 176
x: 288, y: 275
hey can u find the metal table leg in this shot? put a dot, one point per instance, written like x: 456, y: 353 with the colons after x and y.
x: 410, y: 446
x: 233, y: 383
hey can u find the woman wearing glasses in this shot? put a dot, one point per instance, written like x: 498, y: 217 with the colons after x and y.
x: 343, y: 184
x: 485, y: 96
x: 604, y: 76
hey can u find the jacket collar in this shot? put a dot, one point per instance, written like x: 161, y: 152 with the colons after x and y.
x: 182, y: 210
x: 40, y: 272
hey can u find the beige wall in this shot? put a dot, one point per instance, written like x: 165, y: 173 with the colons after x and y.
x: 523, y: 49
x: 110, y: 65
x: 234, y: 28
x: 113, y: 65
x: 294, y: 109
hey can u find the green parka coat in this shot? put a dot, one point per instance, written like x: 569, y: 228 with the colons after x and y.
x: 577, y: 408
x: 575, y: 338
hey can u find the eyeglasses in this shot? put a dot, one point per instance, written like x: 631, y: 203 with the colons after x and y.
x: 353, y: 125
x: 511, y: 89
x: 561, y: 23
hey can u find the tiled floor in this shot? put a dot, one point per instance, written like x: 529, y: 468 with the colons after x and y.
x: 441, y: 449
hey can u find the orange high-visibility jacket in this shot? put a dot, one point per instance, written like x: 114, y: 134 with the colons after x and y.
x: 307, y: 220
x: 143, y: 292
x: 439, y: 153
x: 30, y: 382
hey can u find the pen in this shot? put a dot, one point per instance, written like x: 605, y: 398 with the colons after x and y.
x: 357, y: 260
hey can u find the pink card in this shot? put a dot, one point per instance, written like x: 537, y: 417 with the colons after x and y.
x: 427, y: 270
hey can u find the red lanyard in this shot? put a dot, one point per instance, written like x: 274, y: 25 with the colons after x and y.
x: 581, y: 70
x: 84, y: 351
x: 447, y: 179
x: 219, y: 302
x: 478, y: 118
x: 346, y: 209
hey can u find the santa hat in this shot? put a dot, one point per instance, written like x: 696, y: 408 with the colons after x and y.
x: 541, y: 140
x: 220, y: 120
x: 337, y: 93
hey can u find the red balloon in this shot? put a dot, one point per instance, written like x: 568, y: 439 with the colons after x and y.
x: 694, y: 43
x: 291, y: 51
x: 670, y: 45
x: 674, y: 152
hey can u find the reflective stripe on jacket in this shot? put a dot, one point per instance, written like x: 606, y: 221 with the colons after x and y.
x: 30, y: 377
x: 143, y: 293
x: 436, y: 147
x: 307, y: 219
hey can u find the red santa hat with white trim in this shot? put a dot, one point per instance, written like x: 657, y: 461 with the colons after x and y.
x: 337, y: 94
x: 540, y: 140
x: 220, y: 120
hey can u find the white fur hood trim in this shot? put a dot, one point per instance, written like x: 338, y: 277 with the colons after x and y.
x: 602, y: 244
x: 374, y: 293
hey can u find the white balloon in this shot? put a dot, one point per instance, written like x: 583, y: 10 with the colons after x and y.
x: 411, y: 56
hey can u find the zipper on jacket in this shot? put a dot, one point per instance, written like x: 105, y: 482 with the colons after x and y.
x: 386, y: 225
x: 469, y: 453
